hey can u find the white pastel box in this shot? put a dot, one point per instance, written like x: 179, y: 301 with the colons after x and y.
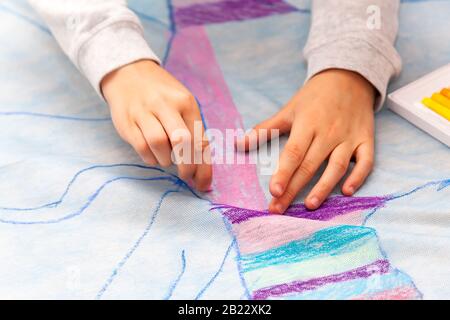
x: 406, y: 102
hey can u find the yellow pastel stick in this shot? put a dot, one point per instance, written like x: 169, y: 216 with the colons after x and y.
x: 436, y: 107
x: 446, y: 92
x: 441, y: 99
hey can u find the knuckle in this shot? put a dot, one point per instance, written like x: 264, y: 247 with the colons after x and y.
x: 185, y: 99
x: 294, y: 152
x: 290, y: 194
x: 340, y: 166
x: 306, y: 169
x: 180, y: 136
x: 157, y: 141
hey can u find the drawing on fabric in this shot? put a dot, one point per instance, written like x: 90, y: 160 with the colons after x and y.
x: 329, y: 253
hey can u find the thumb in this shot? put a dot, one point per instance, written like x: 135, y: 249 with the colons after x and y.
x: 265, y: 131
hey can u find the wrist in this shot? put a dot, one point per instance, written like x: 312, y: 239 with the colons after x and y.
x: 349, y: 81
x: 117, y: 80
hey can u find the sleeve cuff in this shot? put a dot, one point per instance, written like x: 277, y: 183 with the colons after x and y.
x: 113, y: 47
x: 358, y: 56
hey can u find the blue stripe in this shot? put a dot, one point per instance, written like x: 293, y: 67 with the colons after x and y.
x: 330, y: 241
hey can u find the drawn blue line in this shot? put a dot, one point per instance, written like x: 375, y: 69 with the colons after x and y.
x: 238, y: 255
x: 25, y: 18
x: 52, y: 116
x: 147, y: 17
x: 173, y: 31
x: 56, y: 203
x: 136, y: 244
x: 385, y: 255
x: 178, y: 278
x: 442, y: 184
x: 210, y: 282
x: 91, y: 198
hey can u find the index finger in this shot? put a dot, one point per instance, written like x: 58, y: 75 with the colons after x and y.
x: 180, y: 138
x: 316, y: 155
x: 292, y: 156
x: 201, y: 150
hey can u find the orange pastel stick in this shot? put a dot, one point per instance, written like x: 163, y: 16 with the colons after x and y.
x: 443, y: 100
x: 446, y: 92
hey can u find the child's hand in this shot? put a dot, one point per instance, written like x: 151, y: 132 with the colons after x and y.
x: 148, y: 106
x: 330, y: 117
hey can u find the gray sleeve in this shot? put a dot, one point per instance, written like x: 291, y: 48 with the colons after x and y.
x: 99, y: 36
x: 356, y: 35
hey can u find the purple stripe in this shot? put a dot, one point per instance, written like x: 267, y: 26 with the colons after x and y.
x: 229, y: 10
x: 238, y: 215
x: 331, y: 208
x: 336, y: 206
x: 378, y: 267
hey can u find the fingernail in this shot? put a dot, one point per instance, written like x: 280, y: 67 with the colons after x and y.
x: 314, y: 201
x: 279, y: 208
x: 275, y: 208
x: 351, y: 189
x: 278, y: 189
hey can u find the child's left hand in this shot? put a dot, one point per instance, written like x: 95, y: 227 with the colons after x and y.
x: 330, y: 117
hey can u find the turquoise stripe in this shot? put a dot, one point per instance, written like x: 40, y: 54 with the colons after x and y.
x: 353, y: 288
x: 331, y: 241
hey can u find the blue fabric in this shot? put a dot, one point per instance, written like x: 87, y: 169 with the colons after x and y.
x: 82, y: 217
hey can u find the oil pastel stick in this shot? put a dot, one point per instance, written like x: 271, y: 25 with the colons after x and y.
x: 437, y: 107
x: 446, y: 92
x: 441, y: 99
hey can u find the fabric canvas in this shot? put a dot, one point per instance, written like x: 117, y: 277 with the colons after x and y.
x: 81, y: 217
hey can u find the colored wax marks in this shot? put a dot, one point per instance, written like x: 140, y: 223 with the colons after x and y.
x: 432, y: 113
x: 322, y: 254
x: 439, y: 103
x: 326, y: 253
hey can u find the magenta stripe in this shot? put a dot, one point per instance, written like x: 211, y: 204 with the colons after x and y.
x: 331, y: 208
x: 192, y: 60
x: 229, y: 10
x: 378, y: 267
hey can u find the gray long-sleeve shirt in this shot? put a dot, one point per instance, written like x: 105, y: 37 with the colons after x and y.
x: 100, y: 36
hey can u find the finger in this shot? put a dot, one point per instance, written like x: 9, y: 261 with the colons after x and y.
x: 181, y: 141
x: 364, y: 165
x: 337, y: 167
x: 202, y: 172
x: 137, y: 141
x: 175, y: 127
x: 292, y: 156
x: 265, y: 131
x: 156, y: 138
x: 315, y: 156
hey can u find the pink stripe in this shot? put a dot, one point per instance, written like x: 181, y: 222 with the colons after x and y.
x: 193, y: 62
x: 401, y: 293
x: 264, y: 233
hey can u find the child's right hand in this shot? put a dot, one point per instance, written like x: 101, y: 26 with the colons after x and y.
x: 147, y: 106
